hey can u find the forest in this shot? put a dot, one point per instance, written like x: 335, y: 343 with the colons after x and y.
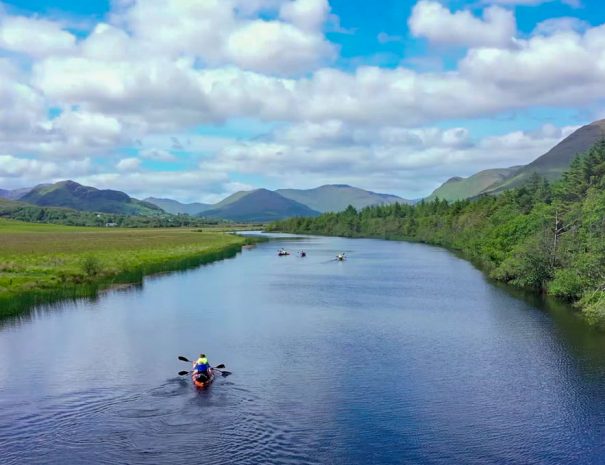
x: 549, y: 237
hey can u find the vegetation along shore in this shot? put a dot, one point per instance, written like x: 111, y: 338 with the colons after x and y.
x: 544, y: 236
x: 42, y: 262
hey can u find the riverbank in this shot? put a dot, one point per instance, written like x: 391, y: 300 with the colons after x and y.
x: 549, y: 238
x: 42, y: 263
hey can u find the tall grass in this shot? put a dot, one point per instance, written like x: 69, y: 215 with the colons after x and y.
x: 45, y: 263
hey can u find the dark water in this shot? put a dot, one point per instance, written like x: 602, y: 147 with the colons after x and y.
x: 402, y: 354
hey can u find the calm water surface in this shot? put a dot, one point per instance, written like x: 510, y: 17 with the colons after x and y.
x: 404, y: 353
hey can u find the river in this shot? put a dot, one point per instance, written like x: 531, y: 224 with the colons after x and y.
x: 403, y: 353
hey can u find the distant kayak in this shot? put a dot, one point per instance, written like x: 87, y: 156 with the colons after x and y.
x: 340, y: 257
x: 281, y: 253
x: 203, y: 384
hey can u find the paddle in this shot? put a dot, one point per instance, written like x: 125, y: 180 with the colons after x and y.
x: 217, y: 368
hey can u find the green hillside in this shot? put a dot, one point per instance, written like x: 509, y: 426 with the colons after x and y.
x: 337, y: 197
x: 553, y: 163
x: 70, y: 194
x: 21, y: 211
x: 463, y: 188
x: 260, y: 205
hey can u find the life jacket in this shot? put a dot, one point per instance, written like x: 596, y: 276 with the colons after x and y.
x: 201, y: 364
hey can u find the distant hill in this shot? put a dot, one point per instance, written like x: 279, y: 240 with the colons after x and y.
x: 553, y: 163
x: 231, y: 199
x: 337, y: 197
x: 259, y: 205
x: 14, y: 194
x: 463, y: 188
x: 70, y: 194
x: 175, y: 207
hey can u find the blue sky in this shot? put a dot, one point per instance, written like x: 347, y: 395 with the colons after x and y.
x: 195, y: 100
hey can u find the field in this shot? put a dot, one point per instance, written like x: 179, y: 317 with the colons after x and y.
x: 42, y: 262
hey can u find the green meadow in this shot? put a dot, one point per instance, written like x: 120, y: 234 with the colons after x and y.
x: 43, y: 262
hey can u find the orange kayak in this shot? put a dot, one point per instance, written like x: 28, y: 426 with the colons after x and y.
x: 203, y: 384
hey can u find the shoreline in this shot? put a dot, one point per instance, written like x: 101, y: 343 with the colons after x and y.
x: 574, y: 307
x: 33, y: 287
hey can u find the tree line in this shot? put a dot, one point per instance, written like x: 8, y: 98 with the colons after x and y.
x: 66, y: 216
x: 545, y: 236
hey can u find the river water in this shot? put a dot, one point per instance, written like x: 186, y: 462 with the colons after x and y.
x: 403, y: 353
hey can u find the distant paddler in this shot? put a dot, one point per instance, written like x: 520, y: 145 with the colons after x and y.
x: 340, y: 257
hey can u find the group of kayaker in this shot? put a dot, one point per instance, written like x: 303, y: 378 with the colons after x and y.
x: 282, y: 252
x: 341, y: 256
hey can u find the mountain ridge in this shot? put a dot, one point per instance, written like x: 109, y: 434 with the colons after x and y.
x: 71, y: 194
x: 337, y: 197
x: 549, y: 165
x: 259, y: 205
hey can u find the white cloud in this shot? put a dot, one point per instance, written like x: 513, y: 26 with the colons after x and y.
x: 408, y: 161
x: 275, y: 47
x: 159, y: 69
x: 556, y: 25
x: 15, y: 170
x: 34, y: 37
x: 191, y: 185
x: 306, y: 14
x: 213, y: 31
x: 128, y: 164
x: 430, y: 19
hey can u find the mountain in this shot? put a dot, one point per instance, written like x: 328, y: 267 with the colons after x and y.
x: 337, y: 197
x: 70, y: 194
x: 175, y: 207
x: 231, y: 199
x: 259, y: 205
x: 553, y: 163
x: 458, y: 188
x: 14, y: 194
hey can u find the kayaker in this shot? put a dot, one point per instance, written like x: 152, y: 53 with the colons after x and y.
x: 200, y: 368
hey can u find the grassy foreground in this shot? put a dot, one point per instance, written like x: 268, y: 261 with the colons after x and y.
x: 43, y: 262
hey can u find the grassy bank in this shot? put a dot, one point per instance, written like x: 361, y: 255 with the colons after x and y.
x: 42, y: 262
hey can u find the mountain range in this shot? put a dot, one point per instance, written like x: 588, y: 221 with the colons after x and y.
x: 174, y: 207
x: 258, y: 205
x: 551, y: 165
x: 337, y: 197
x: 263, y: 205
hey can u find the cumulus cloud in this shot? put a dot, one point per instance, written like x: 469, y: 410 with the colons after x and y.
x: 213, y: 31
x: 14, y: 171
x: 410, y: 161
x: 193, y: 185
x: 306, y: 14
x: 556, y: 25
x: 34, y: 37
x: 431, y: 20
x: 128, y: 164
x: 156, y: 70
